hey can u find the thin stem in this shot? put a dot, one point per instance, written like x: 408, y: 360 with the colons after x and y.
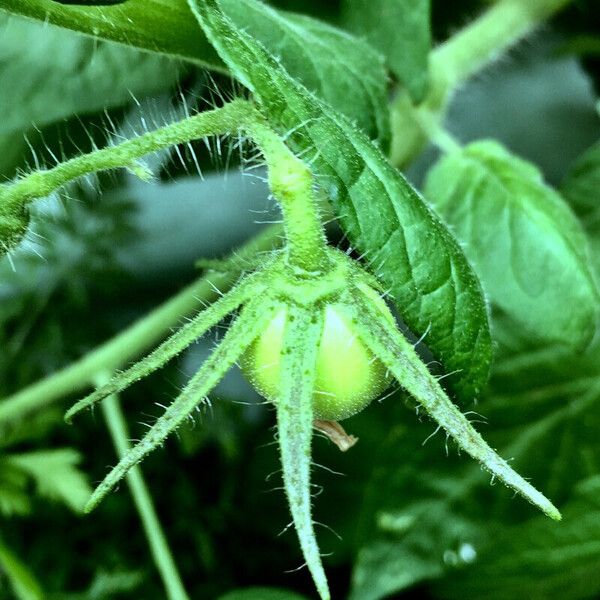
x: 291, y: 182
x: 290, y: 179
x: 159, y: 546
x: 430, y: 124
x: 474, y: 47
x: 22, y: 581
x: 125, y: 346
x: 228, y: 119
x: 454, y: 61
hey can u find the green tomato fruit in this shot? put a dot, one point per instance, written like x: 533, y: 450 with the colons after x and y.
x: 348, y: 377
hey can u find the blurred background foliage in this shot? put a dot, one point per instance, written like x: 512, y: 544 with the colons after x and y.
x: 415, y: 519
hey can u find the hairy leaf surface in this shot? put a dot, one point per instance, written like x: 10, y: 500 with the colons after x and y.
x: 339, y: 68
x: 526, y: 245
x: 401, y: 31
x: 385, y: 218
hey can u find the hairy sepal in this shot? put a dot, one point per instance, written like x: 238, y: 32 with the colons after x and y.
x: 250, y: 287
x: 295, y: 423
x: 398, y: 354
x: 239, y: 336
x: 408, y: 248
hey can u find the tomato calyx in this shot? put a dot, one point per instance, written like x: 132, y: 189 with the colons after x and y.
x: 348, y: 376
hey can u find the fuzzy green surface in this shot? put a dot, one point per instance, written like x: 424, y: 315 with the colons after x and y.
x: 348, y: 376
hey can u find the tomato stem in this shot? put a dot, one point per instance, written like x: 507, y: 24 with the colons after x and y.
x: 227, y: 119
x: 161, y: 553
x: 291, y: 182
x: 482, y: 41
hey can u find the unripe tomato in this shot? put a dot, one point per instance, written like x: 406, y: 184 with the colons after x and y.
x: 348, y: 377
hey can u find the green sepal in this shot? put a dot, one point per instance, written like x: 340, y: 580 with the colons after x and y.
x: 295, y: 427
x: 239, y: 336
x: 179, y: 341
x: 400, y: 357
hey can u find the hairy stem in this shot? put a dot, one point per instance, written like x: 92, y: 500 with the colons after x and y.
x: 481, y: 42
x: 157, y: 541
x: 292, y: 185
x: 228, y: 119
x: 457, y: 59
x: 140, y: 336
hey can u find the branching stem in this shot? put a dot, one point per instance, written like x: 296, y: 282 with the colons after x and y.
x: 453, y: 62
x: 227, y: 119
x: 482, y: 41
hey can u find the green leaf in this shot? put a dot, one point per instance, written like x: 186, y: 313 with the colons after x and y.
x: 548, y: 562
x: 47, y: 74
x: 261, y: 593
x: 581, y: 188
x: 408, y: 548
x: 14, y: 499
x: 527, y: 247
x: 400, y: 30
x: 340, y: 68
x: 162, y: 26
x: 56, y: 475
x: 385, y: 218
x: 408, y: 518
x: 343, y: 70
x: 581, y: 185
x: 22, y: 581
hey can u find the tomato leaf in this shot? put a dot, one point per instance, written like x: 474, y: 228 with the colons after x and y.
x: 407, y: 246
x: 344, y: 70
x: 439, y: 519
x: 22, y: 581
x: 45, y: 78
x: 56, y: 475
x: 162, y: 26
x: 528, y: 248
x: 341, y: 69
x: 581, y: 188
x: 401, y: 31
